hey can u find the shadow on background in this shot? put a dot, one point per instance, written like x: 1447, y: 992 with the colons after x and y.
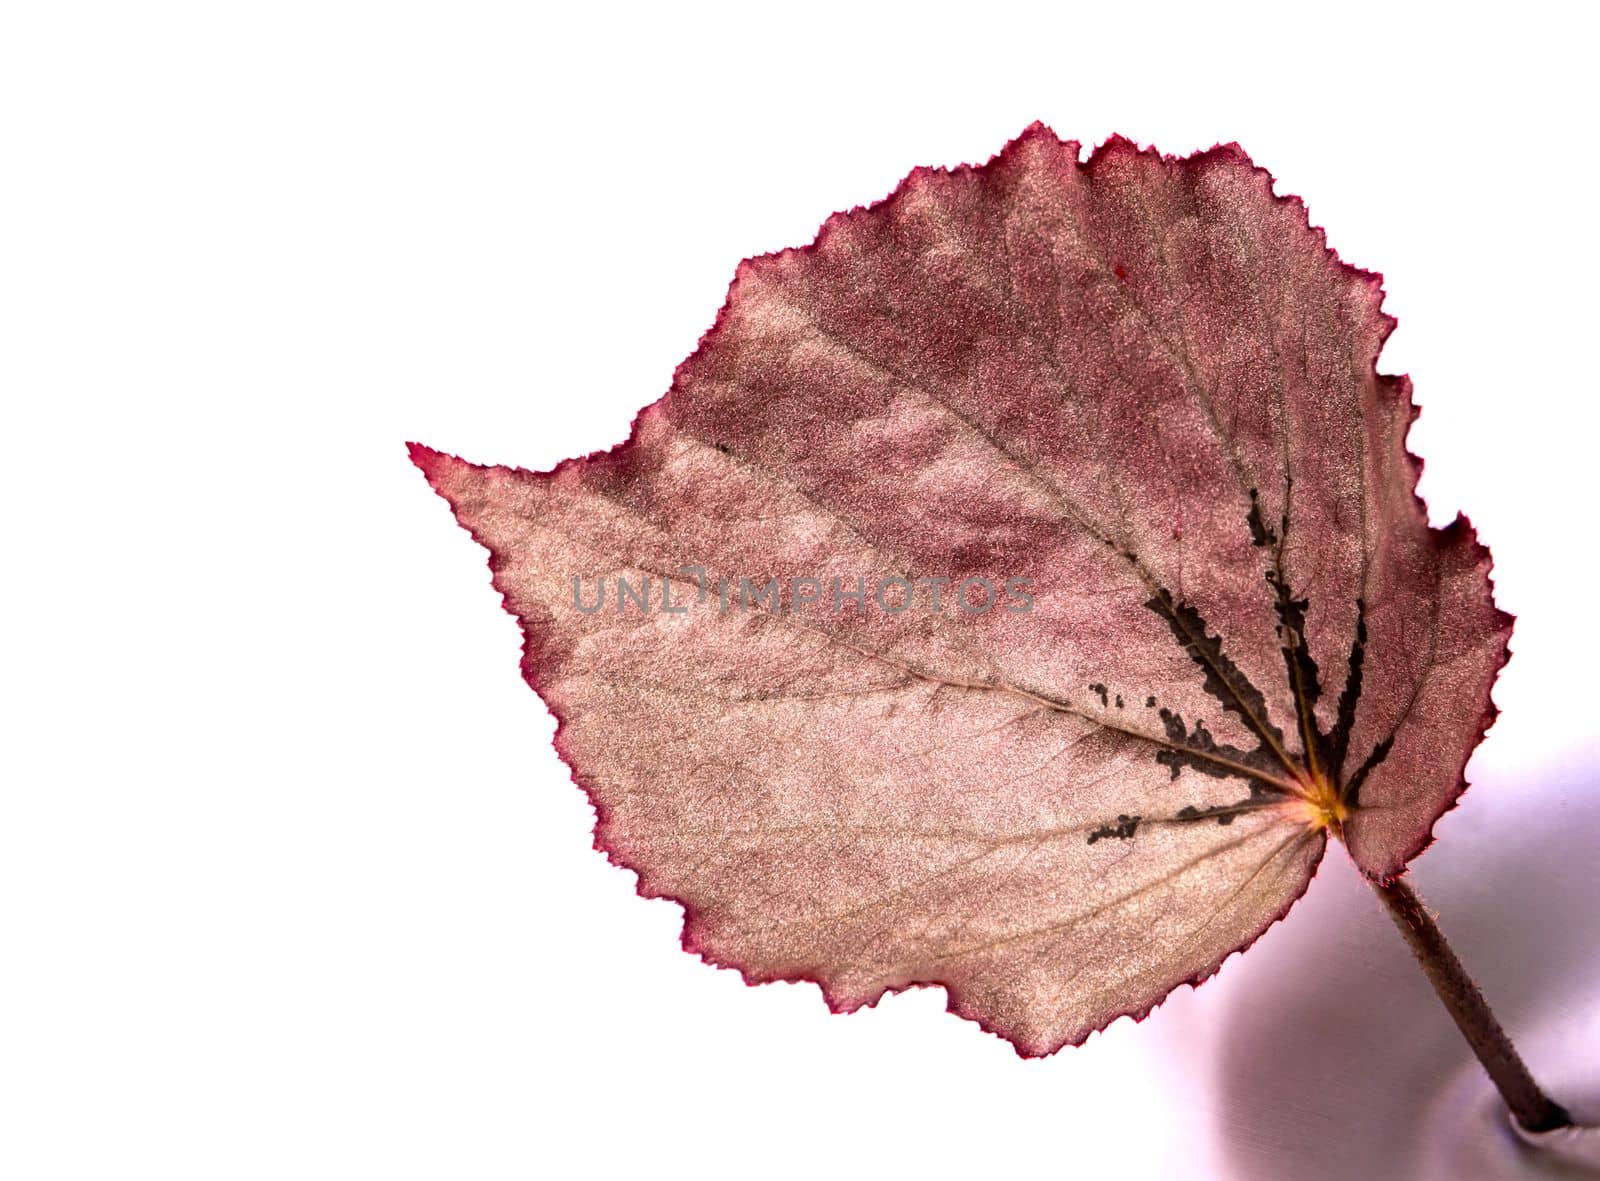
x: 1340, y: 1061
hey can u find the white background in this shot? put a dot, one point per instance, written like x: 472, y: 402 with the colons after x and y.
x: 291, y: 883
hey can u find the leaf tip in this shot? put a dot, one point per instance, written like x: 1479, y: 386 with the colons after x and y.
x: 429, y: 462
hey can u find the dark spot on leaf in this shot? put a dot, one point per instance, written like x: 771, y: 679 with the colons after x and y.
x: 1352, y: 789
x: 1197, y: 744
x: 1259, y: 533
x: 1223, y: 813
x: 1304, y: 676
x: 1339, y: 742
x: 1101, y: 691
x: 1122, y: 829
x: 1223, y: 679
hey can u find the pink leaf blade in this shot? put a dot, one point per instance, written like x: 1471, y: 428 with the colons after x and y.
x: 1144, y: 387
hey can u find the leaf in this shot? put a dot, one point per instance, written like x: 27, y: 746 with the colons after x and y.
x: 1140, y: 393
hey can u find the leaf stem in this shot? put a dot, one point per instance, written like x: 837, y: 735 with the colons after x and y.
x: 1533, y: 1109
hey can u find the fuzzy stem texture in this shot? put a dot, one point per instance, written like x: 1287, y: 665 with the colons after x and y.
x: 1531, y: 1107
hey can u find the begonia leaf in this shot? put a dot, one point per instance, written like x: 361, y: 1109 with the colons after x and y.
x: 1013, y: 592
